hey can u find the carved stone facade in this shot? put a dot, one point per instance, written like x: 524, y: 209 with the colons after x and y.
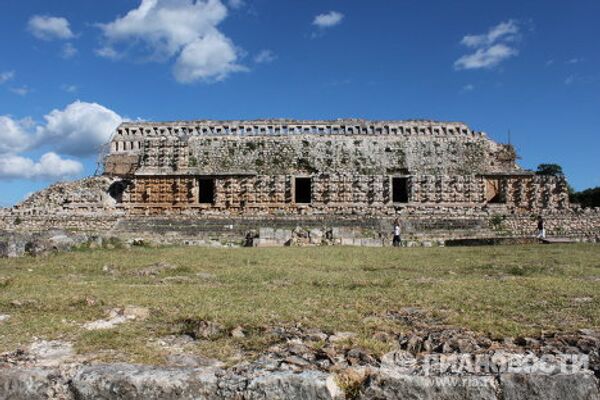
x: 316, y: 167
x: 278, y: 182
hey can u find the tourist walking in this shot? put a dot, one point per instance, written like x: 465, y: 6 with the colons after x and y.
x: 541, y: 230
x: 396, y: 239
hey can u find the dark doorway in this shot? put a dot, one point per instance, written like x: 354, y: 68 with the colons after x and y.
x: 400, y: 190
x: 207, y: 191
x: 116, y: 190
x: 303, y: 192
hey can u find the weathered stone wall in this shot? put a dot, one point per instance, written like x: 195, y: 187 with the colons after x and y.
x: 199, y: 175
x: 581, y: 224
x: 351, y: 163
x: 340, y: 193
x: 458, y: 154
x: 90, y: 195
x: 281, y: 146
x: 418, y: 228
x: 537, y: 192
x: 86, y: 223
x: 240, y: 194
x: 361, y: 154
x: 354, y: 209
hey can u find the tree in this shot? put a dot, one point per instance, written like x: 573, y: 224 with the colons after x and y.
x: 587, y: 198
x: 549, y: 169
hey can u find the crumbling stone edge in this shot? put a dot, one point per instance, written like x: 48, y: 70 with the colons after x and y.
x: 127, y: 381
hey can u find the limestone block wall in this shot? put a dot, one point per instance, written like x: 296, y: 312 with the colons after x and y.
x: 199, y: 170
x: 280, y: 146
x: 252, y: 191
x: 351, y: 162
x: 161, y: 190
x: 309, y: 154
x: 82, y: 196
x: 537, y: 192
x: 351, y: 190
x: 80, y: 223
x: 578, y: 224
x: 447, y: 189
x: 84, y: 205
x: 165, y: 154
x: 247, y: 193
x: 431, y: 224
x: 244, y: 193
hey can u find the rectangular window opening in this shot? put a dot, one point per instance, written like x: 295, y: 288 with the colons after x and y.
x: 303, y: 190
x: 206, y: 188
x: 400, y: 190
x: 493, y: 191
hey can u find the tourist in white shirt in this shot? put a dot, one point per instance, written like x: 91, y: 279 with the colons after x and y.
x: 396, y: 239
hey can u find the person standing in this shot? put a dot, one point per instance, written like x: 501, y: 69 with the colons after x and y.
x: 541, y: 229
x: 396, y: 239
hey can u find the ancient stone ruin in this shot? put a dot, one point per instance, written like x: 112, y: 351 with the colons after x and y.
x: 319, y: 167
x: 269, y: 182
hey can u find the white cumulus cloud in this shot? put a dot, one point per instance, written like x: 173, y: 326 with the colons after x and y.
x: 185, y: 29
x: 13, y: 135
x: 48, y: 28
x: 69, y: 88
x: 490, y: 48
x: 236, y: 4
x: 108, y: 52
x: 21, y: 91
x: 68, y: 51
x: 265, y: 56
x: 570, y: 79
x: 6, y: 76
x: 50, y: 166
x: 210, y: 58
x: 486, y: 57
x: 329, y: 19
x: 78, y: 130
x: 503, y: 31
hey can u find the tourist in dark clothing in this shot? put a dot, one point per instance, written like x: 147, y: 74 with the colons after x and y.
x: 396, y: 239
x: 541, y: 230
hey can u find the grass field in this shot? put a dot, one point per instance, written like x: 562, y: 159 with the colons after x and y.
x: 500, y: 291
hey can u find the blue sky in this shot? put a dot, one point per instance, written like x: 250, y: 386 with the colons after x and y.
x: 70, y: 70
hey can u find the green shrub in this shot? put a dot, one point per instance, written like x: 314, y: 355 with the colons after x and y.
x: 497, y: 220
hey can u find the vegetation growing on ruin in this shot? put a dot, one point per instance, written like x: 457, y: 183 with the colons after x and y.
x: 500, y: 291
x: 496, y: 221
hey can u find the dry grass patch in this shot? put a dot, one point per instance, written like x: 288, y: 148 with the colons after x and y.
x: 506, y: 290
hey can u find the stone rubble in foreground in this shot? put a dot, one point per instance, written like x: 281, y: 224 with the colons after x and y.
x: 428, y: 363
